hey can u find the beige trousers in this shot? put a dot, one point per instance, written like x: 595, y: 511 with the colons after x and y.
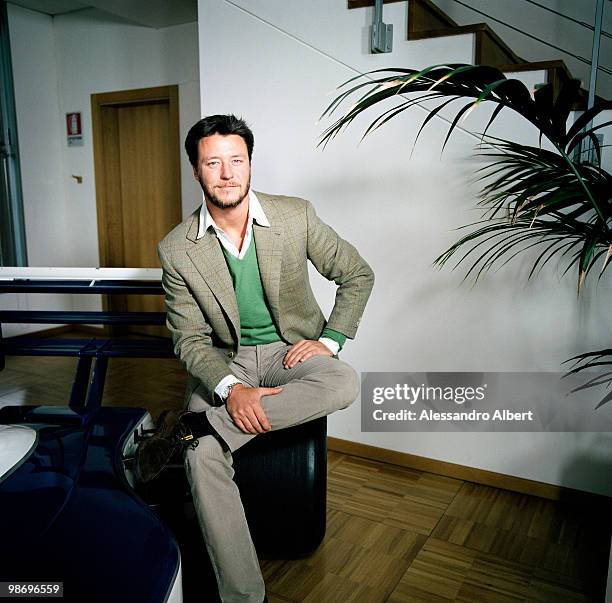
x: 312, y: 389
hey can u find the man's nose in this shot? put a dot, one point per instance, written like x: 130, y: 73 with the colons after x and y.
x: 226, y: 171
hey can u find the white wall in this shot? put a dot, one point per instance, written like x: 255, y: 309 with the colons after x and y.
x: 57, y: 64
x: 278, y: 72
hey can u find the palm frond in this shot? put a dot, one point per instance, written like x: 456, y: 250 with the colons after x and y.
x: 600, y: 359
x: 478, y: 82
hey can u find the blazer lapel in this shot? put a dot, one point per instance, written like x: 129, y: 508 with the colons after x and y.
x: 208, y: 258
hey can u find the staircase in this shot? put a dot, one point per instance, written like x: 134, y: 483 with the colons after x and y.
x: 426, y: 20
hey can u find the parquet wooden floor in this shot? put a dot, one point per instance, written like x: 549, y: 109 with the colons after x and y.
x: 393, y: 534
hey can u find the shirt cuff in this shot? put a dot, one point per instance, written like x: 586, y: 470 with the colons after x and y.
x: 339, y: 338
x: 331, y: 345
x: 227, y: 380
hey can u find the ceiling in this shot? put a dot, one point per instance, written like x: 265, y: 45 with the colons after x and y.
x: 150, y: 13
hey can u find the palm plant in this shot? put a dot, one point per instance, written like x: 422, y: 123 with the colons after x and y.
x: 533, y: 198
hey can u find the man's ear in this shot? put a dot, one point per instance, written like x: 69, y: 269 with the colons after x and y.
x: 195, y: 174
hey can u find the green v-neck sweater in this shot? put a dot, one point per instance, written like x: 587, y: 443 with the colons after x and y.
x: 256, y: 324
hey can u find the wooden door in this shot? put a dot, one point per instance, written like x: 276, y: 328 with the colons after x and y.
x: 136, y: 152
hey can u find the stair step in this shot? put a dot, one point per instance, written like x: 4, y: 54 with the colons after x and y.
x: 423, y: 15
x: 426, y: 16
x: 556, y: 74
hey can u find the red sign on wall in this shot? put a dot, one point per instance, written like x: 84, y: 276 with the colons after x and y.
x: 73, y: 129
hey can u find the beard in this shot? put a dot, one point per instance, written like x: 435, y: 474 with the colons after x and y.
x: 235, y: 197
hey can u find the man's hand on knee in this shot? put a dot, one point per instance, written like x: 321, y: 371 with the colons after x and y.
x: 244, y: 406
x: 303, y: 350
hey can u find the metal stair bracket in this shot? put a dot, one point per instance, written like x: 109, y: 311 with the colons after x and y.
x: 585, y: 152
x: 595, y: 52
x: 381, y: 39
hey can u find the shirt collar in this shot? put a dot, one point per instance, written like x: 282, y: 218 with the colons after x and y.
x: 256, y: 213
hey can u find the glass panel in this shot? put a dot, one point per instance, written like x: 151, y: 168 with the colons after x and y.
x: 12, y: 228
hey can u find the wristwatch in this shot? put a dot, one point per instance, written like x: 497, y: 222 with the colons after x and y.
x: 227, y: 390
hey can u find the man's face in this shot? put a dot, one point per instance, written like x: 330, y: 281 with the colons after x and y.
x: 223, y: 170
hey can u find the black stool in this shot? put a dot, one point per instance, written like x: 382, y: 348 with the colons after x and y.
x: 282, y: 477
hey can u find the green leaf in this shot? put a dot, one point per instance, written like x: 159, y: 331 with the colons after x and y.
x: 584, y: 120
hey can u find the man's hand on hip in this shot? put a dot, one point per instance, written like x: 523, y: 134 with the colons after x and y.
x: 244, y: 406
x: 303, y: 350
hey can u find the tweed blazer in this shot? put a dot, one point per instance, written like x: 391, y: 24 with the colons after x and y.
x: 202, y: 311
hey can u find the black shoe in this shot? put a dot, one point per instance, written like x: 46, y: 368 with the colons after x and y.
x: 198, y: 425
x: 154, y: 453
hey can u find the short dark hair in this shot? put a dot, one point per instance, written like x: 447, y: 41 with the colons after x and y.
x: 217, y: 124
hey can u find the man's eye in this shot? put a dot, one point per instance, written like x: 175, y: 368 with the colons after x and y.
x: 236, y: 161
x: 212, y: 163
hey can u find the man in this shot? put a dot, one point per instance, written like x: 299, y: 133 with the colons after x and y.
x: 259, y: 352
